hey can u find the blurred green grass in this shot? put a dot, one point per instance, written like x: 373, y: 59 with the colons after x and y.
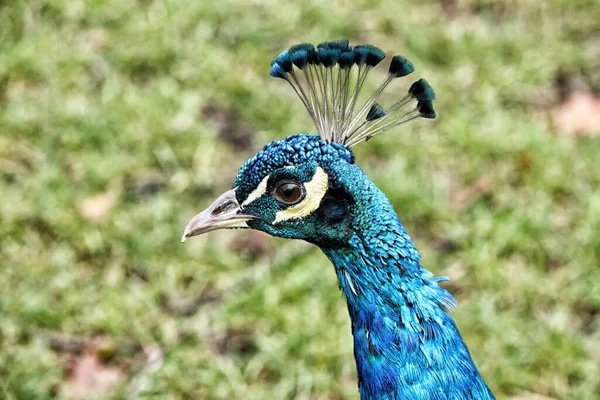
x: 153, y: 106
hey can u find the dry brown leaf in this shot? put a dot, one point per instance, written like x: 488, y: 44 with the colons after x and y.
x: 463, y: 196
x: 97, y: 207
x: 579, y: 114
x: 87, y: 377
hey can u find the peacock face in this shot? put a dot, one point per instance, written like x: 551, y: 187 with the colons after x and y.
x: 306, y: 186
x: 289, y: 189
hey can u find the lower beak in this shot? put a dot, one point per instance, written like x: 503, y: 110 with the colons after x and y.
x: 224, y: 213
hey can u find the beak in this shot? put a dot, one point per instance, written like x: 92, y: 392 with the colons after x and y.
x: 224, y: 213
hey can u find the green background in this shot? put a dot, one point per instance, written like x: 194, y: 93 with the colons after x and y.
x: 121, y: 119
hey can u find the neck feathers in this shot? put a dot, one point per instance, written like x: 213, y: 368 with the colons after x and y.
x: 405, y: 343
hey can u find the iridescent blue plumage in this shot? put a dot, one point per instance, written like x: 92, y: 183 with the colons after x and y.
x: 405, y: 343
x: 308, y: 187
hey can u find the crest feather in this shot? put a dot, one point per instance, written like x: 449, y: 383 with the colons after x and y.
x: 328, y: 80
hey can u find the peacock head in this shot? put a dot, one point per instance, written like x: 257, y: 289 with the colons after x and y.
x: 307, y: 186
x: 289, y: 189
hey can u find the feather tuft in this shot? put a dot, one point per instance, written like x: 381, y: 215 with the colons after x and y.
x: 301, y: 46
x: 375, y: 112
x: 369, y: 55
x: 328, y: 56
x: 283, y: 59
x: 400, y: 67
x: 300, y: 58
x: 278, y: 72
x: 335, y: 44
x: 421, y: 91
x: 426, y: 110
x: 313, y: 58
x: 346, y: 59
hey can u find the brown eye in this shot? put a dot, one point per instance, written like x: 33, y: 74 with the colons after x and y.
x: 289, y: 193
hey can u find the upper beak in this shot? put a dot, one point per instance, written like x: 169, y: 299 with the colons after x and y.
x: 225, y: 212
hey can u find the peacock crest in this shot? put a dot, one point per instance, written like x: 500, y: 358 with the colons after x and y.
x: 328, y: 80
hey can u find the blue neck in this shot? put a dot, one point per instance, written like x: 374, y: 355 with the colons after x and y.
x: 405, y: 344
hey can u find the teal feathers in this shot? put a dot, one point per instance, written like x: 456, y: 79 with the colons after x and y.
x: 400, y: 67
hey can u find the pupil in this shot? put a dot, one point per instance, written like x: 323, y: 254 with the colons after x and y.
x: 289, y: 192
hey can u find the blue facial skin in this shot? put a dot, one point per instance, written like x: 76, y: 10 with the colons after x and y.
x: 406, y: 345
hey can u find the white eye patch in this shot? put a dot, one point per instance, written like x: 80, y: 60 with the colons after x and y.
x: 256, y: 193
x: 315, y: 190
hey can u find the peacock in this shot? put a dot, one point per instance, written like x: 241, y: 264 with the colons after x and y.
x: 307, y: 186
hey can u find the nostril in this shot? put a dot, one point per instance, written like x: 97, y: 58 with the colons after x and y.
x: 225, y: 207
